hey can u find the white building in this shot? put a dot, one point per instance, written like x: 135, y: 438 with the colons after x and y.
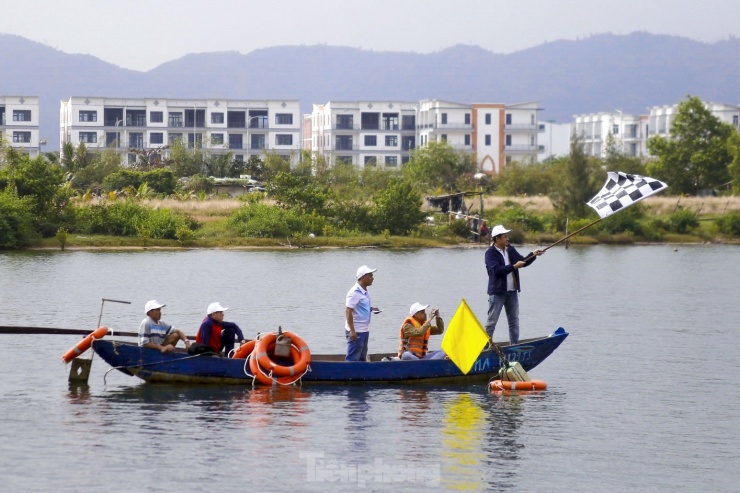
x: 243, y: 127
x: 630, y: 133
x: 384, y: 132
x: 626, y: 132
x: 556, y: 140
x: 19, y: 123
x: 661, y: 117
x: 362, y: 132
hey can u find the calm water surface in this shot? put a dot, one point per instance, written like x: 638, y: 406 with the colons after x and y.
x: 642, y: 396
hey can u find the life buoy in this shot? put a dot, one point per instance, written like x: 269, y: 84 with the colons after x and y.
x: 84, y: 344
x: 264, y: 378
x: 498, y: 385
x: 244, y: 350
x: 301, y: 357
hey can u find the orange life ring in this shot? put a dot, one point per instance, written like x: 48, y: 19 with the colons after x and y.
x: 84, y: 344
x: 301, y: 358
x: 244, y: 350
x: 264, y: 378
x: 498, y: 385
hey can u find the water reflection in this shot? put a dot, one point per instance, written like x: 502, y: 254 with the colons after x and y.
x: 462, y: 435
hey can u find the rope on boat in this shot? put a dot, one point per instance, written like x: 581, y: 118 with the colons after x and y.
x: 150, y: 364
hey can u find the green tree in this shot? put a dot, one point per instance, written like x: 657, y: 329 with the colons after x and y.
x: 291, y: 190
x: 734, y: 169
x: 696, y: 156
x: 577, y: 182
x: 437, y: 165
x: 397, y: 209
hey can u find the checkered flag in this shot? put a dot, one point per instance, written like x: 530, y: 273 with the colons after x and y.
x: 622, y: 190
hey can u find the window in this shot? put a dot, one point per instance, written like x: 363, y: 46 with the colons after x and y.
x: 391, y: 161
x: 488, y: 140
x: 174, y: 138
x: 467, y: 139
x: 444, y: 118
x: 235, y: 141
x: 615, y: 129
x: 508, y: 118
x: 217, y: 139
x: 405, y: 159
x: 88, y: 116
x: 88, y: 137
x: 408, y: 122
x: 136, y: 139
x: 175, y: 120
x: 217, y: 117
x: 21, y: 115
x: 370, y: 161
x: 390, y: 121
x: 467, y: 118
x: 508, y: 140
x: 21, y: 137
x: 444, y: 137
x: 156, y: 117
x: 256, y: 141
x: 284, y: 118
x: 111, y: 139
x: 156, y: 138
x: 344, y: 122
x: 391, y: 140
x: 344, y: 143
x: 408, y: 142
x: 488, y: 118
x: 734, y: 120
x: 344, y: 159
x: 284, y: 139
x: 371, y: 140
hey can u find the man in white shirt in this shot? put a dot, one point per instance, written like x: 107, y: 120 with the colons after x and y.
x: 357, y: 315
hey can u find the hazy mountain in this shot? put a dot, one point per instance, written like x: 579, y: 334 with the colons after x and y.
x: 599, y: 73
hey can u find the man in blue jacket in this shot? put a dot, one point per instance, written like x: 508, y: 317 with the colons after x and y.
x: 503, y: 263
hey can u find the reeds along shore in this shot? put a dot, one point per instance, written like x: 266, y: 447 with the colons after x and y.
x: 201, y: 210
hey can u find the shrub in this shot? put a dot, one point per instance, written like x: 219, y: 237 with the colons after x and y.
x: 265, y: 221
x: 16, y: 221
x: 683, y: 221
x: 131, y: 219
x: 122, y: 179
x: 729, y: 224
x: 512, y: 213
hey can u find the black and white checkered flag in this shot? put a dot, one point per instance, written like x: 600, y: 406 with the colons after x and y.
x: 622, y: 190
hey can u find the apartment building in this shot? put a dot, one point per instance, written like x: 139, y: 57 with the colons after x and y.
x: 661, y: 117
x: 630, y: 133
x: 243, y: 127
x: 385, y: 132
x: 364, y: 133
x: 19, y: 124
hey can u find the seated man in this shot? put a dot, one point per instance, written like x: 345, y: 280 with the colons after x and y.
x: 415, y: 332
x: 216, y: 333
x: 155, y: 334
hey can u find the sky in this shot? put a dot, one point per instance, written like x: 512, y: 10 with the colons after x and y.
x: 142, y: 34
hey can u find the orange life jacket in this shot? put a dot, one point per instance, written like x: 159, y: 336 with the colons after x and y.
x: 416, y: 344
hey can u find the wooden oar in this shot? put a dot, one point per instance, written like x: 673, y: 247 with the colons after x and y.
x: 65, y: 332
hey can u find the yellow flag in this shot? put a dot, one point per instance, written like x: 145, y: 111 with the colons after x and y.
x: 464, y: 338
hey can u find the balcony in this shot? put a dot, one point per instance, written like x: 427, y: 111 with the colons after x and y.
x: 521, y: 149
x: 522, y: 127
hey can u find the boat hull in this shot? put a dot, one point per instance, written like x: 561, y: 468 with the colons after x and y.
x: 178, y: 367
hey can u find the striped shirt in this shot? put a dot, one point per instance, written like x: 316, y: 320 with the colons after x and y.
x: 151, y: 331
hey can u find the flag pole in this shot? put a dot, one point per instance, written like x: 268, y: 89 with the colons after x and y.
x: 566, y: 237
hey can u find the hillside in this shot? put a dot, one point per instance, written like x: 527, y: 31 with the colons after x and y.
x: 599, y: 73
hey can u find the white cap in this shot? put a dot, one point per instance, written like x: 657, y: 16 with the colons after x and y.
x: 499, y: 230
x: 216, y: 307
x: 416, y: 308
x: 364, y: 270
x: 152, y: 305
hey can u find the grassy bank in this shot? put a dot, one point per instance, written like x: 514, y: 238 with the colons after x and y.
x: 213, y: 230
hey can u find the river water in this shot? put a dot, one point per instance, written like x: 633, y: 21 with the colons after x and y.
x: 643, y: 395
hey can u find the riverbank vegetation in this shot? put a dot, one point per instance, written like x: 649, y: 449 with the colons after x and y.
x: 87, y: 199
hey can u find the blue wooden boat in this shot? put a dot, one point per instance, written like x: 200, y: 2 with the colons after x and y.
x: 178, y: 367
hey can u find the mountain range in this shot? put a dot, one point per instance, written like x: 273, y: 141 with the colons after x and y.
x: 604, y: 72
